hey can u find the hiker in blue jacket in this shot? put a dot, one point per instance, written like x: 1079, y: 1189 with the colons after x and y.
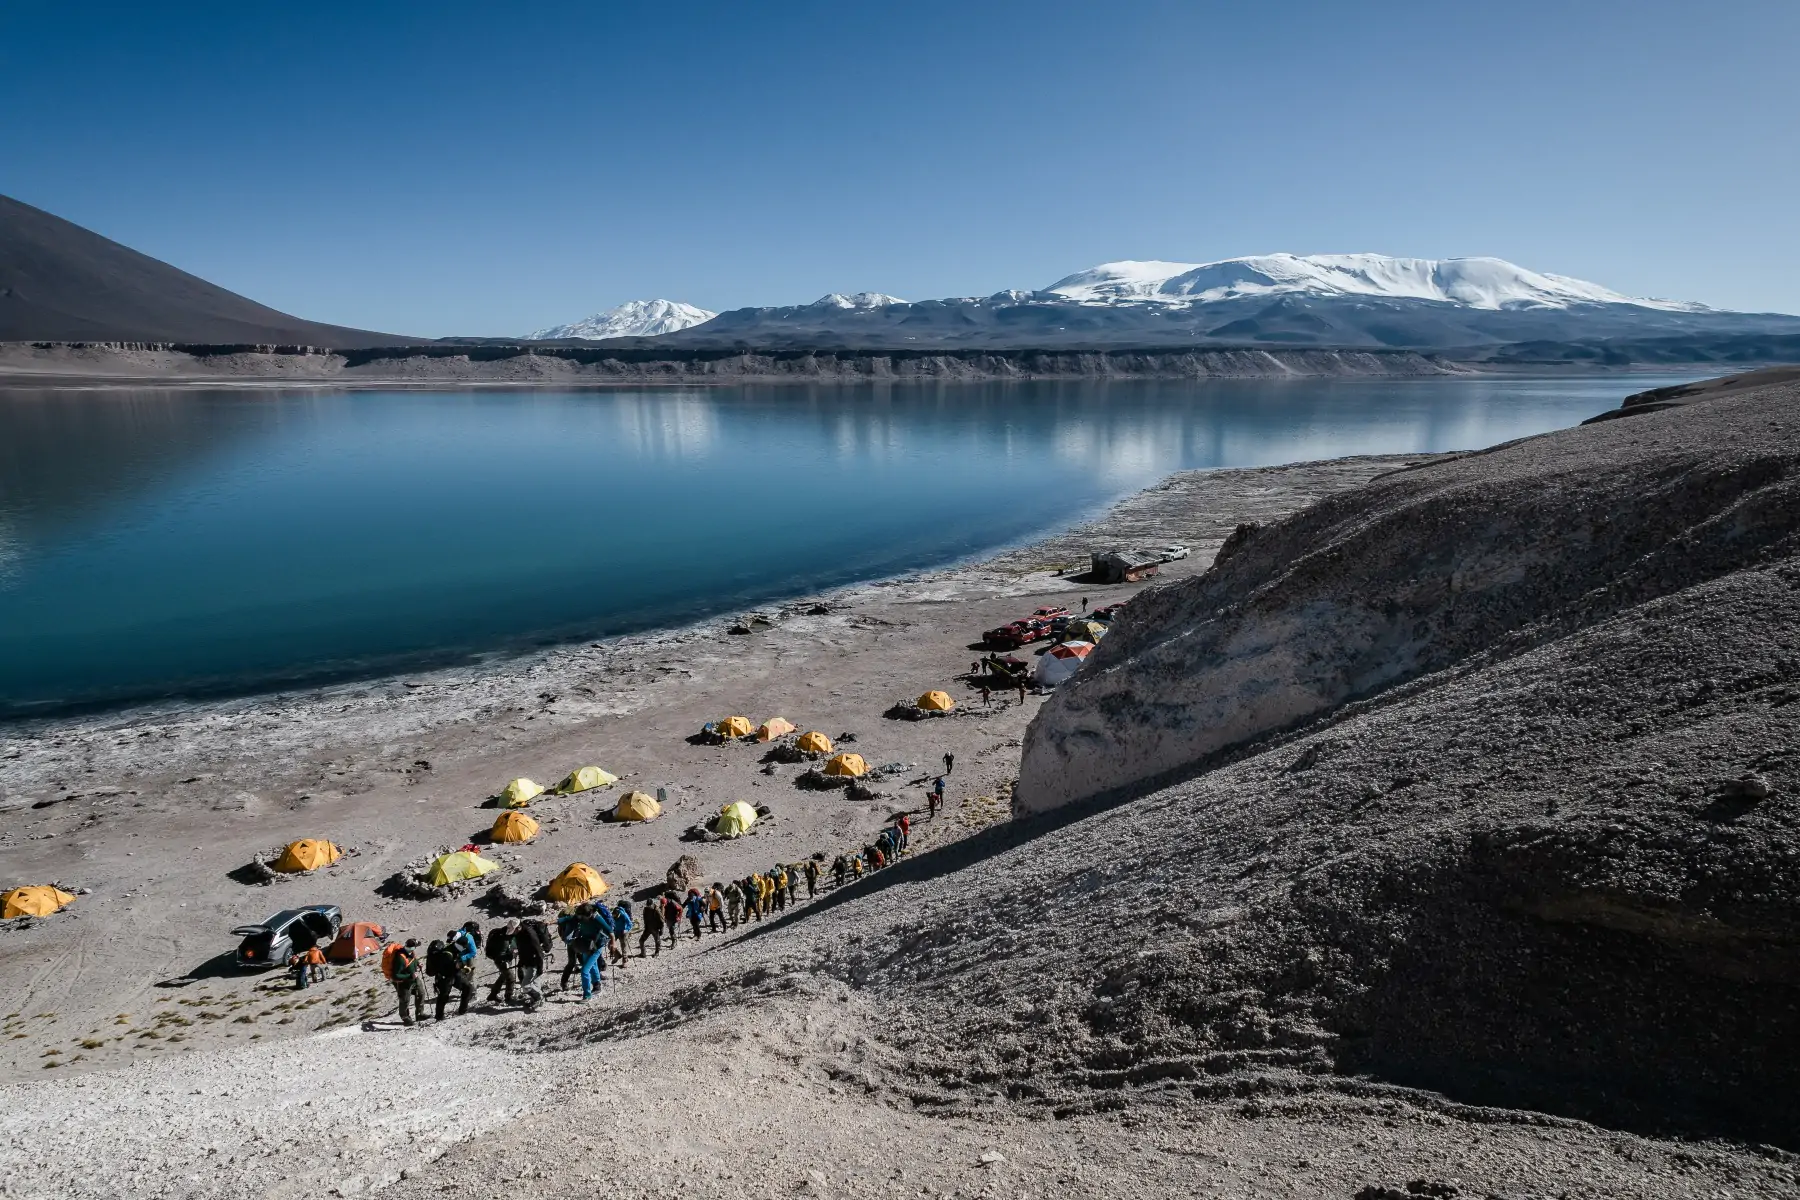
x: 694, y: 908
x: 593, y: 931
x: 622, y: 927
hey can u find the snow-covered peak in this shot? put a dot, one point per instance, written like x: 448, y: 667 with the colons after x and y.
x: 634, y: 318
x: 857, y: 300
x: 1489, y: 283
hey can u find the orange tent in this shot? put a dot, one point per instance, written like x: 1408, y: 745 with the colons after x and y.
x: 773, y: 728
x: 577, y: 884
x: 851, y: 765
x: 358, y: 939
x: 307, y: 854
x: 814, y: 743
x: 936, y: 702
x: 733, y: 727
x: 513, y: 827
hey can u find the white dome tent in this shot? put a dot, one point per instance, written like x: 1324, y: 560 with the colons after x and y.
x: 1060, y: 662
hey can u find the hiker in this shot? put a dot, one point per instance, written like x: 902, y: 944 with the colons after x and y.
x: 671, y: 906
x: 791, y: 877
x: 503, y: 952
x: 715, y: 909
x: 1021, y: 693
x: 449, y: 972
x: 1084, y: 604
x: 840, y: 867
x: 594, y: 930
x: 933, y: 802
x: 987, y: 697
x: 812, y: 878
x: 778, y: 886
x: 404, y: 968
x: 877, y: 859
x: 753, y: 896
x: 566, y: 923
x: 653, y: 927
x: 765, y: 887
x: 856, y: 865
x: 937, y: 790
x: 534, y: 941
x: 622, y: 926
x: 734, y: 902
x: 949, y: 762
x: 903, y: 822
x: 695, y: 908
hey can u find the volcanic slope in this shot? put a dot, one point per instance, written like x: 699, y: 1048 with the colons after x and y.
x: 1553, y: 877
x: 62, y: 283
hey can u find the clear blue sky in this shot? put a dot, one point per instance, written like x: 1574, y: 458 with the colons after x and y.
x: 463, y: 168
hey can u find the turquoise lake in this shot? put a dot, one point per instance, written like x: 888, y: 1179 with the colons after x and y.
x: 181, y: 542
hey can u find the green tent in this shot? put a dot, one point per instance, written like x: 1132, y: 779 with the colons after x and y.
x: 454, y: 868
x: 734, y: 819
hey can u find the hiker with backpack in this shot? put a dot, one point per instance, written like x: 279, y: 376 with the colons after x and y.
x: 695, y: 908
x: 715, y: 909
x: 534, y: 942
x: 594, y: 931
x: 812, y: 878
x: 671, y: 906
x: 653, y: 927
x: 565, y: 933
x: 503, y: 952
x: 840, y: 867
x: 402, y: 967
x: 445, y: 967
x: 622, y: 926
x: 734, y: 902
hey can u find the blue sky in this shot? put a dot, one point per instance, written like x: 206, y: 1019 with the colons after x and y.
x: 486, y: 169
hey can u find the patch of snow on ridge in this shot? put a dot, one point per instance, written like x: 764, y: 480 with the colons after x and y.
x: 634, y: 318
x: 857, y: 300
x: 1487, y: 283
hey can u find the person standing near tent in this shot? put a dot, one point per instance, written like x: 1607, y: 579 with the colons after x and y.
x: 653, y: 926
x: 812, y: 878
x: 404, y: 969
x: 715, y: 909
x: 695, y: 908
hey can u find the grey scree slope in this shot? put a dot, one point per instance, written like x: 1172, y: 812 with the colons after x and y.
x: 1522, y: 879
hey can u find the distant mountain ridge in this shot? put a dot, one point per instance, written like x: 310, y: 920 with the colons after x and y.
x: 1347, y: 301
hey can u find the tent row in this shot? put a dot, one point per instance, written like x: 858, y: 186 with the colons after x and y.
x: 732, y: 728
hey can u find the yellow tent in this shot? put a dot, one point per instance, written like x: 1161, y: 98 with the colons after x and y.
x: 307, y: 854
x: 1087, y: 631
x: 814, y: 743
x: 936, y: 702
x: 773, y: 728
x: 586, y: 779
x: 513, y: 827
x: 577, y: 884
x: 733, y: 727
x: 453, y: 868
x: 851, y: 765
x: 38, y: 901
x: 734, y: 819
x: 636, y: 806
x: 519, y: 793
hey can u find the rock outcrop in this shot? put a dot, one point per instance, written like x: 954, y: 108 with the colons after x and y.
x: 1425, y: 570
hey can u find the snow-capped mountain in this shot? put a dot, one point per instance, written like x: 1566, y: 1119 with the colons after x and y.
x: 1467, y: 306
x: 855, y: 300
x: 634, y: 318
x: 1484, y: 283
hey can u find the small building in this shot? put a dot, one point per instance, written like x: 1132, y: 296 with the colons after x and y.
x: 1122, y: 566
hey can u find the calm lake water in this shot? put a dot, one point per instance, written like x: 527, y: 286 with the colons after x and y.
x: 182, y: 542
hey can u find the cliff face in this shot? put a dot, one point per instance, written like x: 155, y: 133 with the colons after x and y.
x: 1421, y: 571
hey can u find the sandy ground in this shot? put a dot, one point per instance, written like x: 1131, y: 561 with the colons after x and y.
x: 720, y: 1069
x: 152, y: 809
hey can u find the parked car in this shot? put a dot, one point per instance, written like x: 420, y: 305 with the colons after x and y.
x: 1044, y: 614
x: 288, y: 932
x: 1108, y: 613
x: 1171, y: 553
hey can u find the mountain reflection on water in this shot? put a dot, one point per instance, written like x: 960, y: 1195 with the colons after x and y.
x: 185, y: 541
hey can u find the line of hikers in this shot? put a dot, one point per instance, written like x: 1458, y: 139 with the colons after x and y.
x: 591, y: 933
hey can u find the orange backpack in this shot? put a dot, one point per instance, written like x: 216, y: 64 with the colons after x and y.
x: 387, y: 959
